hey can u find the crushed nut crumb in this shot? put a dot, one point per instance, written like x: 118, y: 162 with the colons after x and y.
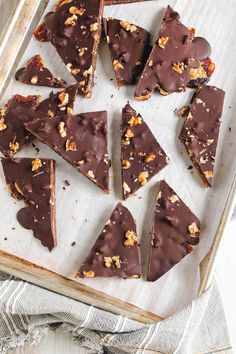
x: 75, y: 11
x: 129, y: 133
x: 3, y: 125
x: 117, y: 65
x: 34, y: 80
x: 89, y: 71
x: 126, y: 164
x: 128, y: 26
x: 89, y: 274
x: 64, y: 98
x: 135, y: 121
x: 178, y: 67
x: 94, y: 27
x: 61, y: 129
x: 36, y: 164
x: 71, y: 21
x: 162, y: 41
x: 126, y: 188
x: 70, y: 145
x: 149, y: 157
x: 193, y: 229
x: 174, y: 198
x: 142, y: 178
x: 131, y: 238
x: 14, y: 147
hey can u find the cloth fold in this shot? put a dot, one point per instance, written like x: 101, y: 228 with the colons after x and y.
x: 27, y: 312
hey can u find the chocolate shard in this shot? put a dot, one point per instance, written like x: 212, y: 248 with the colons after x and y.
x: 80, y: 139
x: 13, y: 115
x: 75, y: 30
x: 33, y: 180
x: 129, y: 49
x: 35, y: 73
x: 115, y: 252
x: 141, y: 155
x: 178, y: 59
x: 176, y: 229
x: 201, y: 130
x: 58, y: 104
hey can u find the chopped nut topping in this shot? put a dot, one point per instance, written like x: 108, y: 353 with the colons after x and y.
x: 75, y: 11
x: 82, y: 51
x: 126, y: 142
x: 134, y: 276
x: 162, y: 92
x: 75, y: 71
x: 34, y: 80
x: 82, y: 83
x: 150, y: 157
x: 126, y: 164
x: 138, y: 62
x: 36, y: 63
x: 94, y: 27
x: 61, y: 129
x: 116, y: 260
x: 3, y: 111
x: 210, y: 141
x: 150, y: 63
x: 88, y: 72
x: 197, y: 73
x: 129, y: 133
x: 167, y: 159
x: 69, y: 65
x: 51, y: 114
x: 90, y: 174
x: 3, y: 125
x: 162, y: 41
x: 208, y: 174
x: 14, y: 146
x: 117, y: 65
x: 178, y: 67
x: 69, y: 110
x: 174, y: 198
x: 70, y: 145
x: 108, y: 262
x: 183, y: 111
x: 189, y: 116
x: 135, y: 121
x: 106, y: 159
x: 193, y: 229
x: 108, y: 39
x: 131, y: 238
x: 64, y: 98
x: 159, y: 195
x: 199, y: 101
x: 202, y: 160
x: 89, y: 274
x: 71, y: 21
x: 128, y: 26
x: 142, y: 178
x: 126, y: 188
x: 36, y: 164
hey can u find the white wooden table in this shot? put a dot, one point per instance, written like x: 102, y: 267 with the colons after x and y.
x: 60, y: 342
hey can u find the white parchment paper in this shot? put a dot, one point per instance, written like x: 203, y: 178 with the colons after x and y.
x: 82, y: 209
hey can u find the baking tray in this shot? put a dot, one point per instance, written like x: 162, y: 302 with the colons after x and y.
x: 20, y: 25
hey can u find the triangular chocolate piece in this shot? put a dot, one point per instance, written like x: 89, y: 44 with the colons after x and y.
x: 33, y: 180
x: 115, y: 252
x: 178, y: 59
x: 176, y: 229
x: 17, y: 111
x: 58, y: 104
x: 141, y: 155
x: 80, y: 139
x: 129, y: 49
x: 75, y: 30
x: 35, y: 73
x: 201, y: 130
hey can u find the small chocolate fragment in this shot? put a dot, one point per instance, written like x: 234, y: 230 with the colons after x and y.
x: 75, y: 30
x: 33, y: 180
x: 176, y: 229
x: 201, y: 130
x: 141, y: 155
x: 17, y: 111
x: 35, y: 73
x: 115, y: 252
x: 129, y: 49
x: 80, y: 139
x: 178, y: 59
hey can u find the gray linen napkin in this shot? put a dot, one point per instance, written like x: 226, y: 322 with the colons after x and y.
x: 28, y: 311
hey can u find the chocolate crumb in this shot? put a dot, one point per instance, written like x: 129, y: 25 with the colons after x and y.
x: 5, y: 238
x: 230, y: 129
x: 67, y: 183
x: 111, y: 79
x: 64, y: 188
x: 190, y: 167
x: 112, y: 96
x: 73, y: 243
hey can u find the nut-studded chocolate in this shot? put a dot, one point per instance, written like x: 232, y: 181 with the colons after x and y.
x: 141, y: 155
x: 84, y: 145
x: 129, y: 49
x: 35, y: 73
x: 176, y: 229
x: 75, y: 29
x: 201, y: 130
x: 177, y: 60
x: 34, y: 182
x: 13, y: 135
x: 112, y: 255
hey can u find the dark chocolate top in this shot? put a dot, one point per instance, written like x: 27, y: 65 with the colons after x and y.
x: 129, y: 49
x: 81, y: 140
x: 201, y: 129
x: 35, y: 73
x: 115, y: 252
x: 141, y: 155
x: 33, y: 180
x: 175, y: 59
x: 175, y: 230
x: 16, y: 112
x: 75, y: 30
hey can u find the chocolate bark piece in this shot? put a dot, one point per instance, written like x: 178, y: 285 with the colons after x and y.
x: 58, y: 104
x: 129, y: 49
x: 35, y: 73
x: 75, y: 30
x: 33, y: 180
x: 176, y: 229
x: 201, y: 130
x: 177, y: 59
x: 141, y: 155
x: 115, y: 252
x: 80, y: 139
x: 13, y: 115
